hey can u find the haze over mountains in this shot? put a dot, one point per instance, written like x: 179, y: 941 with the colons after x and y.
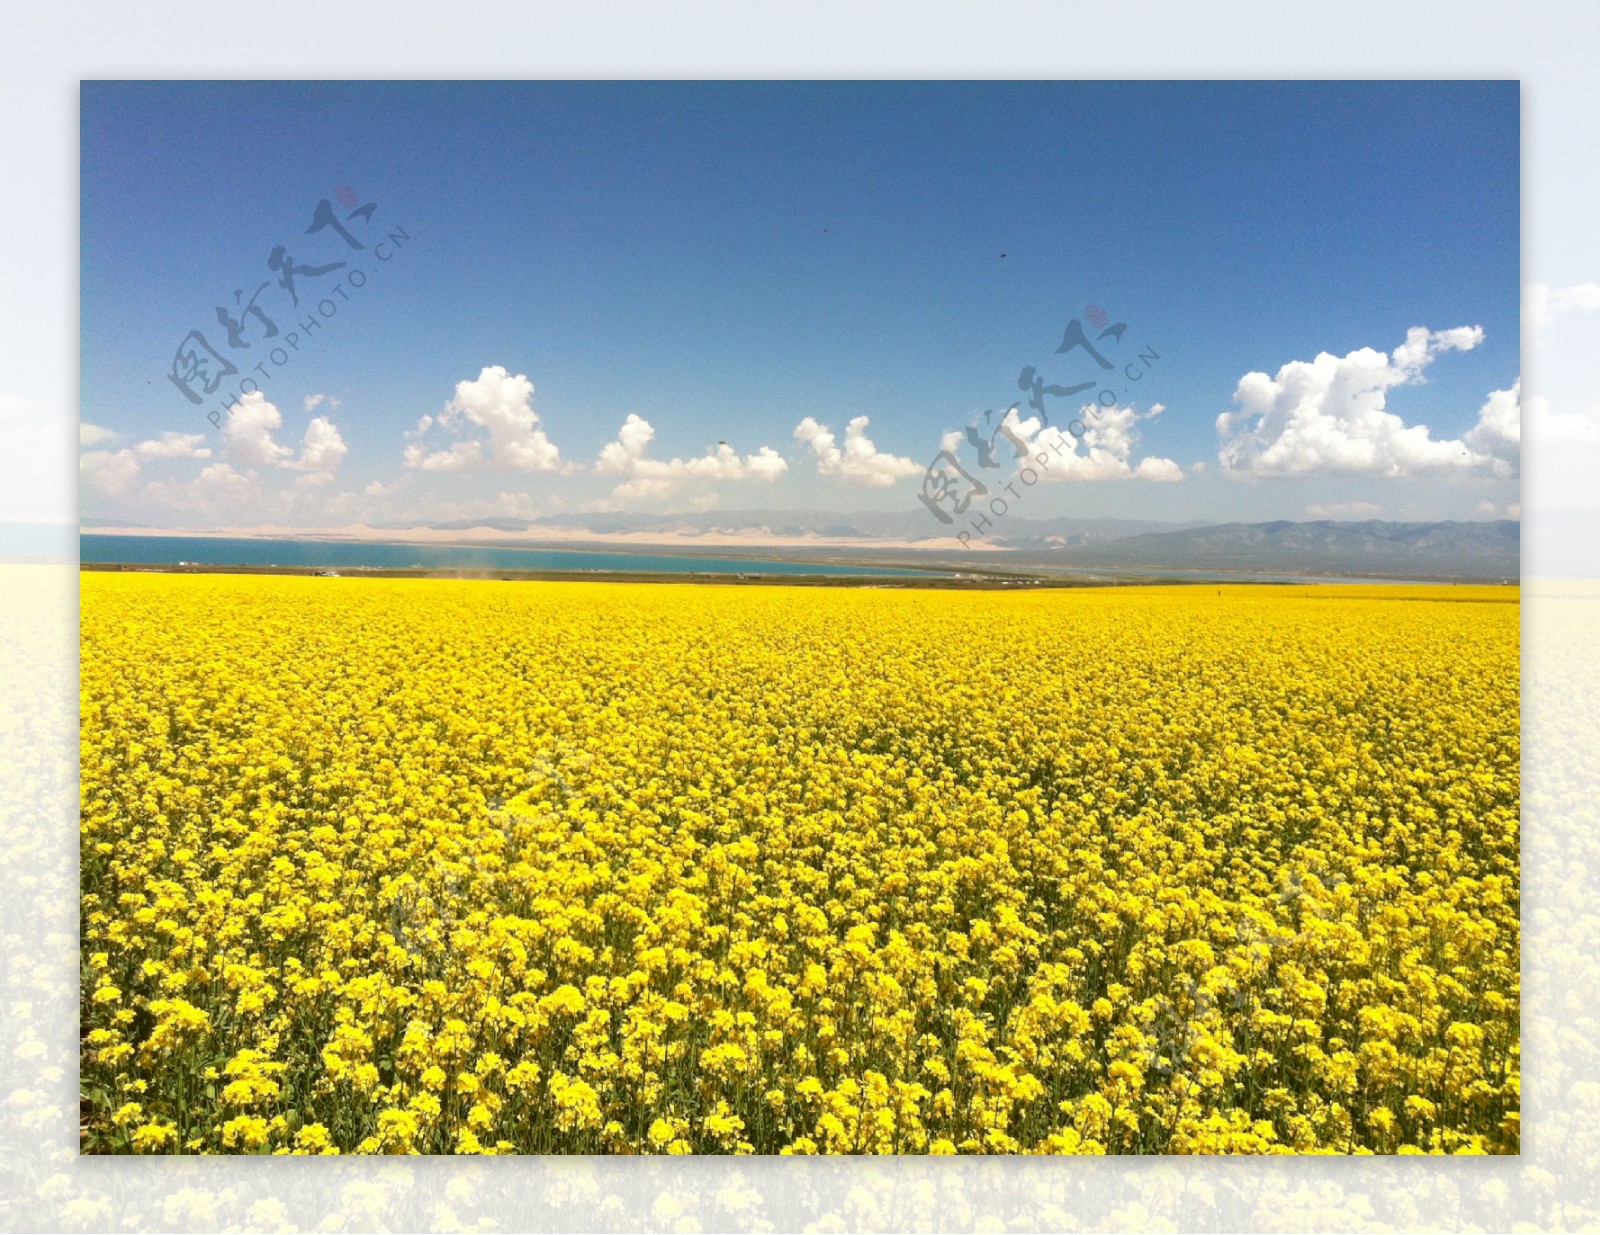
x: 1374, y: 546
x: 876, y: 525
x: 1489, y: 550
x: 1446, y: 550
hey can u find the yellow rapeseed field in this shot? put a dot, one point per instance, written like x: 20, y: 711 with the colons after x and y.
x: 442, y: 866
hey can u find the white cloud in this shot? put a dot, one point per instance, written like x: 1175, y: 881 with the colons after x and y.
x: 248, y: 441
x: 218, y: 490
x: 93, y: 435
x: 1328, y: 417
x: 859, y: 461
x: 1345, y: 510
x: 247, y: 436
x: 644, y: 477
x: 111, y: 473
x: 1104, y: 452
x: 1152, y: 468
x: 1542, y: 304
x: 1497, y: 437
x: 221, y: 480
x: 248, y: 444
x: 502, y: 406
x: 321, y: 451
x: 1511, y: 510
x: 1563, y: 455
x: 1547, y: 428
x: 174, y: 446
x: 463, y: 456
x: 312, y: 402
x: 503, y: 505
x: 1423, y: 345
x: 38, y: 451
x: 643, y: 487
x: 619, y: 458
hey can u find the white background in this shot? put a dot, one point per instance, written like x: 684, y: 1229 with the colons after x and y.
x: 43, y: 55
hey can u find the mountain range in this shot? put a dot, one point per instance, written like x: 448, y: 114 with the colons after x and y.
x: 1375, y: 548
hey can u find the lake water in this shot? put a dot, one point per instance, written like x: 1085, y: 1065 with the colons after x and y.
x: 349, y: 555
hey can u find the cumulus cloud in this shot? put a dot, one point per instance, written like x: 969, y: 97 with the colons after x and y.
x: 217, y: 489
x: 248, y: 441
x: 858, y: 461
x: 1550, y: 428
x: 1423, y: 345
x: 108, y: 472
x: 312, y: 402
x: 501, y: 406
x: 1328, y: 417
x: 111, y: 473
x: 1496, y: 440
x: 247, y: 435
x: 503, y: 505
x: 644, y: 477
x: 1151, y: 468
x: 1563, y: 421
x: 221, y: 478
x: 1563, y: 453
x: 1543, y: 304
x: 1105, y: 451
x: 1345, y: 510
x: 174, y: 446
x: 321, y: 452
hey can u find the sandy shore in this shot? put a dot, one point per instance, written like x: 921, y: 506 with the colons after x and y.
x: 752, y: 538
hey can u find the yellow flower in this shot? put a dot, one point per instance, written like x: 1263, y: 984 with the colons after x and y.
x: 761, y: 870
x: 150, y: 1137
x: 245, y: 1132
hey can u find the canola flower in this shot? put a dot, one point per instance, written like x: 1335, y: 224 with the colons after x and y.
x: 411, y: 866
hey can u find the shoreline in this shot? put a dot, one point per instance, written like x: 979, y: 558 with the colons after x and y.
x: 862, y: 562
x: 949, y: 581
x: 555, y: 540
x: 929, y: 579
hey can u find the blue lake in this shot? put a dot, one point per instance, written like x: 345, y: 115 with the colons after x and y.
x: 350, y: 555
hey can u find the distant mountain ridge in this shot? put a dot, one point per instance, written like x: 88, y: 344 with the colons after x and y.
x: 1442, y: 550
x: 865, y: 525
x: 1445, y: 549
x: 1436, y: 549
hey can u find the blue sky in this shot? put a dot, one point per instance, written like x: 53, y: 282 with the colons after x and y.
x: 733, y: 262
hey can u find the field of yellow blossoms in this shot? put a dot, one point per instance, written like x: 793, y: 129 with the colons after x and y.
x: 389, y: 866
